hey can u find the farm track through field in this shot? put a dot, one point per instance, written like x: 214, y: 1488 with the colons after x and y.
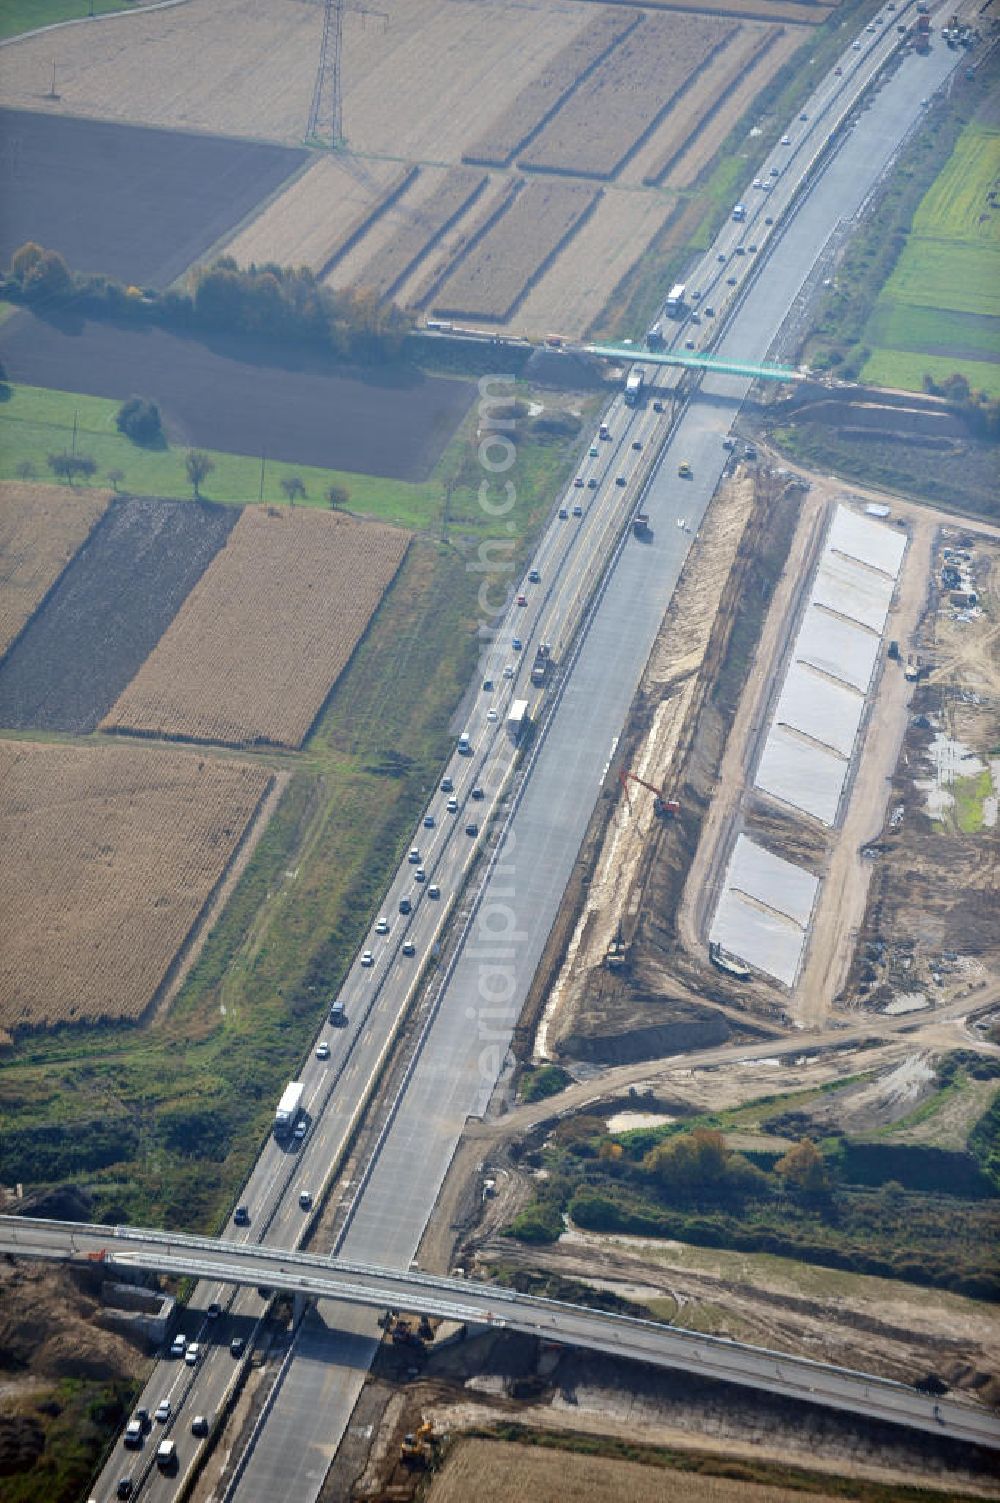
x: 261, y: 640
x: 354, y: 232
x: 41, y: 528
x: 107, y: 611
x: 809, y: 13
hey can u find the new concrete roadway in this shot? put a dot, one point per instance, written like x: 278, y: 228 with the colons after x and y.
x: 480, y: 1304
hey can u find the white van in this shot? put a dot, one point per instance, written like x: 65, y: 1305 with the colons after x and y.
x: 166, y: 1455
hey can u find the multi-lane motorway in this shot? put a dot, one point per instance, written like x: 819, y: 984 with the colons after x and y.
x: 478, y: 1304
x: 542, y: 825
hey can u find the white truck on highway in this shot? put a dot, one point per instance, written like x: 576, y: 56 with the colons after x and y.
x: 674, y: 306
x: 289, y: 1108
x: 633, y: 387
x: 517, y: 719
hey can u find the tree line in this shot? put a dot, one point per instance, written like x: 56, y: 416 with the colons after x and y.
x: 270, y: 301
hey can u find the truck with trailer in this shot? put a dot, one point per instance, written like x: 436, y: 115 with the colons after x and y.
x: 517, y: 719
x: 633, y: 387
x: 674, y: 306
x: 289, y: 1108
x: 543, y: 660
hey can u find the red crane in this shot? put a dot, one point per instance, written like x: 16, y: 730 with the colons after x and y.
x: 666, y: 808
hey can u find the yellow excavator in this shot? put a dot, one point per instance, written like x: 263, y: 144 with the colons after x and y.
x: 418, y: 1447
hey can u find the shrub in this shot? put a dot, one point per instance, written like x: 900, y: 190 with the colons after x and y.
x: 139, y: 419
x: 547, y: 1080
x: 539, y: 1222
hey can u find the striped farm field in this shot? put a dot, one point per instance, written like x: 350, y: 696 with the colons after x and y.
x: 605, y: 120
x: 41, y: 527
x: 539, y: 100
x: 112, y: 853
x: 958, y: 205
x: 262, y: 638
x: 494, y: 277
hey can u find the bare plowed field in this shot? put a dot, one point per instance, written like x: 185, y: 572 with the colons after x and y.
x: 490, y: 282
x: 306, y: 225
x: 139, y: 205
x: 525, y: 115
x: 106, y: 612
x: 266, y: 633
x: 41, y: 527
x: 410, y: 229
x: 604, y: 121
x: 111, y: 854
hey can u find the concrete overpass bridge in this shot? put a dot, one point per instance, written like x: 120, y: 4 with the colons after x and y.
x: 313, y: 1277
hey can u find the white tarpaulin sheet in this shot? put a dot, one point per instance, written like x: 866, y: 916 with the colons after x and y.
x: 843, y: 649
x: 772, y: 880
x: 766, y: 940
x: 827, y: 712
x: 851, y: 589
x: 875, y: 544
x: 808, y: 777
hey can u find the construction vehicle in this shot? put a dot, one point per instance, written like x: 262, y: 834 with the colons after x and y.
x: 663, y: 807
x: 418, y: 1447
x: 726, y: 962
x: 543, y: 661
x: 913, y: 668
x: 616, y: 955
x: 640, y: 524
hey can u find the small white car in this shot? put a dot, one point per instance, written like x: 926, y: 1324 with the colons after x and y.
x: 323, y: 1050
x: 414, y: 857
x: 382, y: 927
x: 192, y: 1354
x: 492, y: 717
x: 508, y: 671
x: 368, y: 959
x: 163, y: 1411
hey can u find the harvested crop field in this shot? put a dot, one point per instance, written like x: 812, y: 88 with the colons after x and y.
x: 305, y: 225
x: 139, y: 205
x: 499, y: 271
x: 541, y: 98
x: 288, y: 401
x: 503, y: 1472
x: 265, y: 635
x: 107, y: 611
x: 112, y: 855
x: 608, y: 117
x: 41, y: 527
x: 803, y: 12
x: 410, y: 229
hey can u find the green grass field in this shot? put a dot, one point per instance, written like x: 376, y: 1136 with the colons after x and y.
x: 17, y: 16
x: 939, y: 311
x: 904, y: 370
x: 898, y: 326
x: 956, y: 207
x: 36, y: 422
x: 947, y: 274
